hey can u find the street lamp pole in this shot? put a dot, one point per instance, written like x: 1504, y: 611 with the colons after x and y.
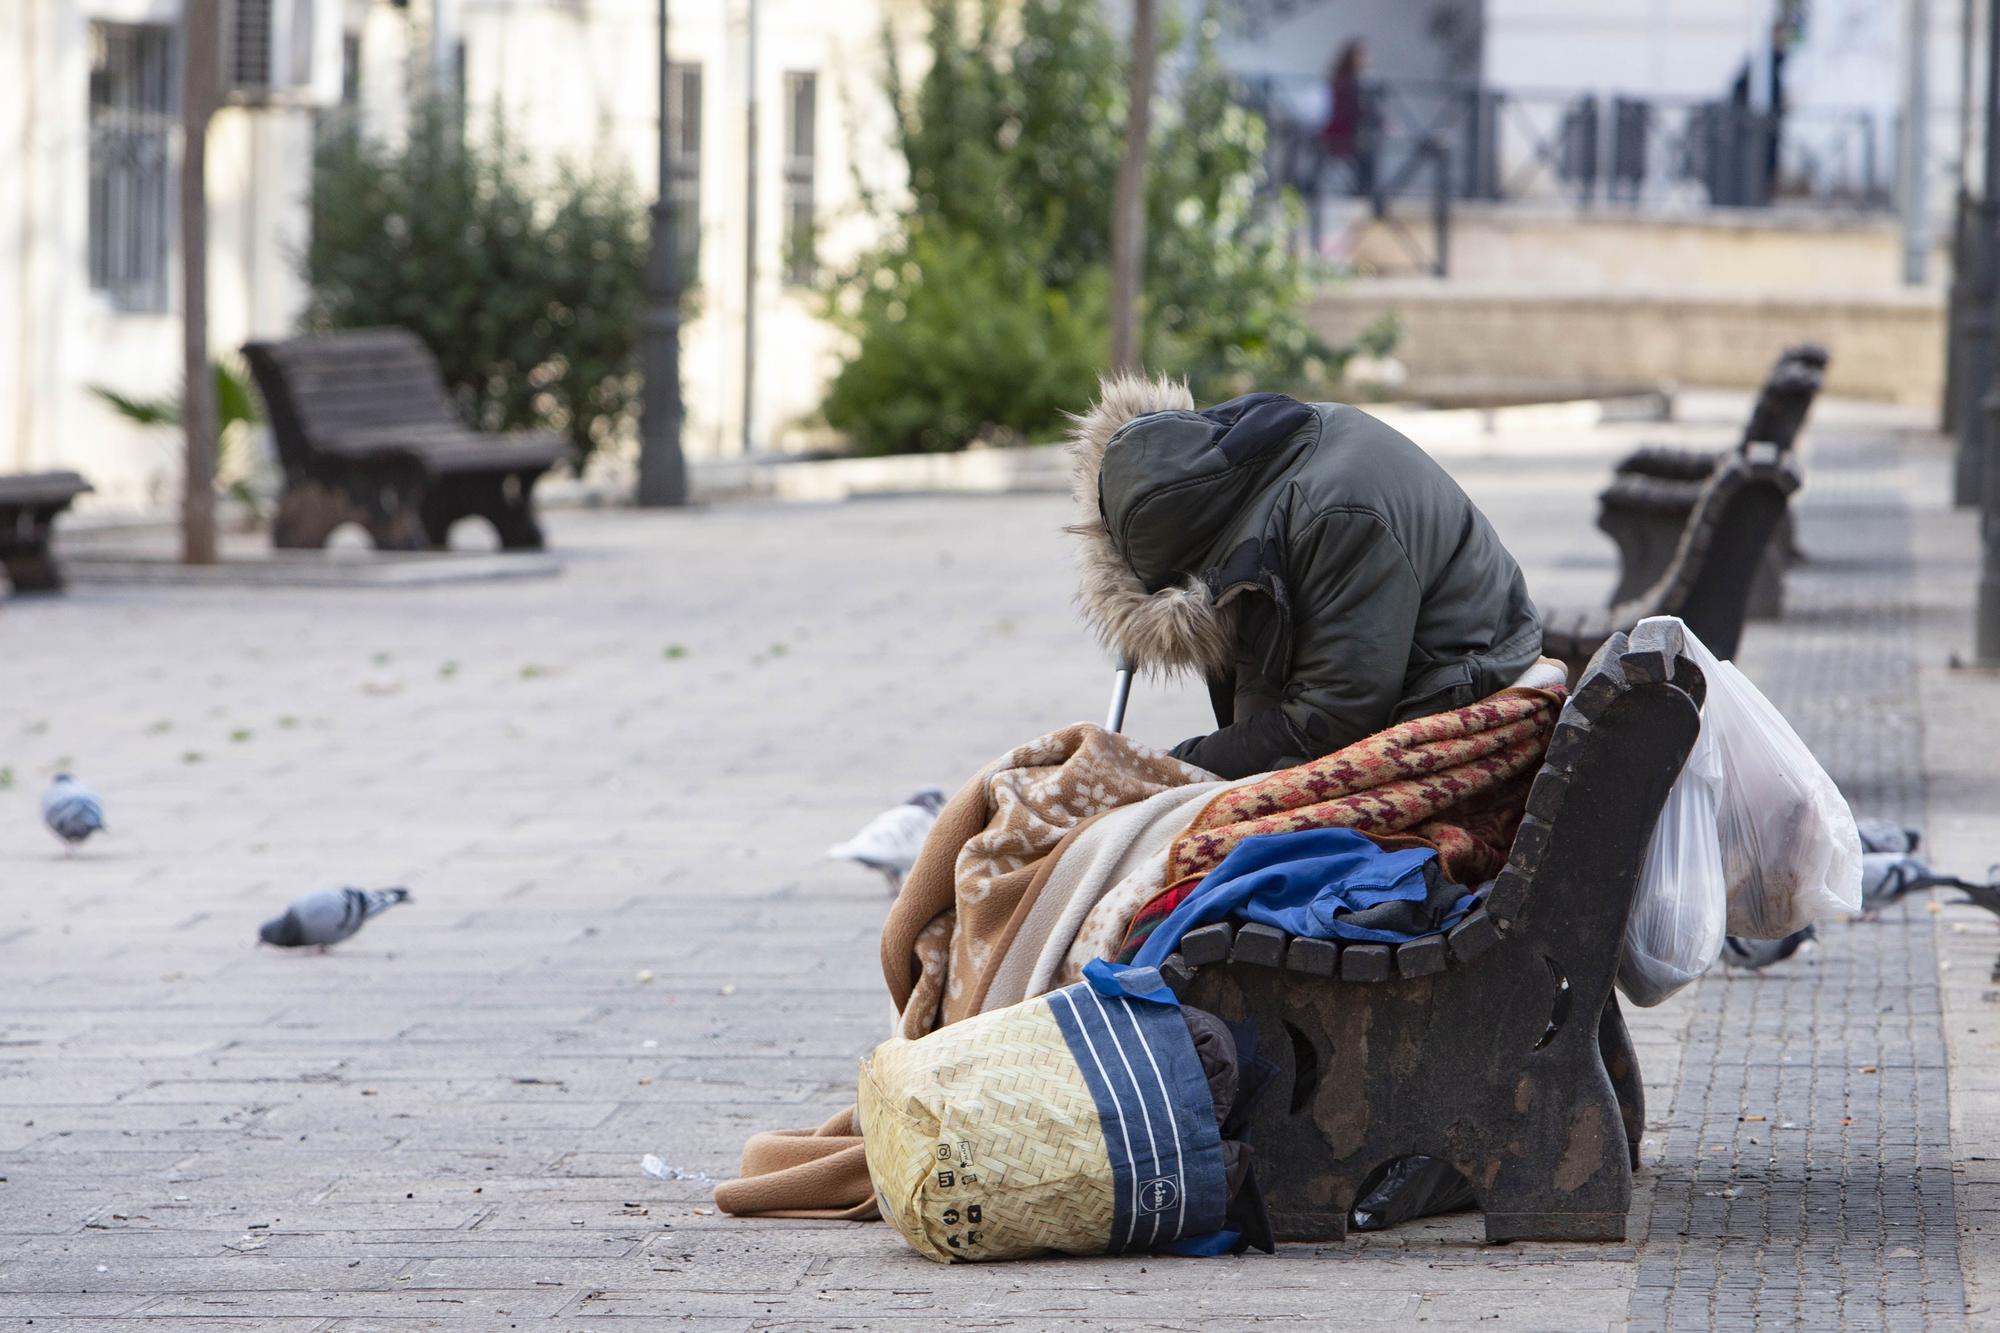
x: 662, y: 467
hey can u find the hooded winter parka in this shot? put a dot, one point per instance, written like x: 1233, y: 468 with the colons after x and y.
x: 1319, y: 569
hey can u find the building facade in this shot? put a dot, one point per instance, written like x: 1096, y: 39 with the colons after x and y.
x: 89, y: 250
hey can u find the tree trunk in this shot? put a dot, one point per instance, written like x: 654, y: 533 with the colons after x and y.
x: 201, y: 54
x: 1128, y: 206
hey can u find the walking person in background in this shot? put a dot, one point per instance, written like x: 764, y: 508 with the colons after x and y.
x: 1352, y: 131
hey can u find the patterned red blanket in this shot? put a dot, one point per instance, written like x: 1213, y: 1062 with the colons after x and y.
x: 1456, y: 781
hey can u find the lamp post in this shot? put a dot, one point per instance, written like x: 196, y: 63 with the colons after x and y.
x: 662, y: 467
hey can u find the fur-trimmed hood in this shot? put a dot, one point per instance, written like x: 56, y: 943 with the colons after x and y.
x: 1175, y: 627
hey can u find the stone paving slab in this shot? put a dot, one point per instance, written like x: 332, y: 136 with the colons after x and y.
x: 634, y: 768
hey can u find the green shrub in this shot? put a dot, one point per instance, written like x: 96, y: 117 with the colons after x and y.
x: 961, y: 340
x: 985, y: 311
x: 527, y: 289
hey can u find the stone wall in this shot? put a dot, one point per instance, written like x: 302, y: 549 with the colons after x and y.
x: 1888, y: 346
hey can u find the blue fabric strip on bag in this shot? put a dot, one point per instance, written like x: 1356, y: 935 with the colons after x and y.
x: 1153, y: 1102
x: 1300, y: 882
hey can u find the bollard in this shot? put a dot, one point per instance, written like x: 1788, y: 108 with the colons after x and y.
x: 1954, y: 309
x: 1986, y: 622
x: 1975, y: 360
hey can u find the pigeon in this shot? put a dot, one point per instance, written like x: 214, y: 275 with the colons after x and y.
x: 1755, y: 955
x: 1882, y: 835
x: 1887, y: 876
x: 72, y: 811
x: 1985, y: 895
x: 328, y: 916
x: 890, y: 841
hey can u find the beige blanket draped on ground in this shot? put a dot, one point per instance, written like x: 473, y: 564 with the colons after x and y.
x: 1019, y: 852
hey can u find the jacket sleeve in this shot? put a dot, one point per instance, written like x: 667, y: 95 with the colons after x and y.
x: 1354, y: 599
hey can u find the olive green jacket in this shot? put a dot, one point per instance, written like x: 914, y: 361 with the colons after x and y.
x: 1319, y: 569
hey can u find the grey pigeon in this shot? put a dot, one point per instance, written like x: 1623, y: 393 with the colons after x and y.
x: 1884, y: 835
x: 1889, y: 871
x: 1887, y: 876
x: 1755, y: 955
x: 890, y: 841
x: 328, y: 916
x: 71, y: 810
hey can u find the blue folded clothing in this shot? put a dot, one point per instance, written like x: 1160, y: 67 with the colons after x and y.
x: 1327, y: 884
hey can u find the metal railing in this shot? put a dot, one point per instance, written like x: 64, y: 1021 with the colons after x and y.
x: 1644, y: 154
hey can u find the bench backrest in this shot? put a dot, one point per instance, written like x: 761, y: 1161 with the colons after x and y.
x: 1620, y: 741
x: 1786, y: 397
x: 1708, y: 582
x: 1617, y: 747
x: 321, y: 386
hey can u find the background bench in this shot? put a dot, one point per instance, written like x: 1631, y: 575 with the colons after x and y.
x: 1708, y: 581
x: 29, y: 503
x: 1653, y: 489
x: 366, y: 432
x: 1499, y: 1047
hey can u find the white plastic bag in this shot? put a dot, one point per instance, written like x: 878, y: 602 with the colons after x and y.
x: 1676, y: 926
x: 1790, y: 851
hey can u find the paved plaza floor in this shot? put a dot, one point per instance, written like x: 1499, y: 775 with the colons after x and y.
x: 609, y: 792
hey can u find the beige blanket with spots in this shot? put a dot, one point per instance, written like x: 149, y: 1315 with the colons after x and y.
x: 994, y: 906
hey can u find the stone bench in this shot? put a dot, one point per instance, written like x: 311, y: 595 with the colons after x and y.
x: 1497, y: 1047
x: 1653, y: 489
x: 367, y: 433
x: 29, y: 503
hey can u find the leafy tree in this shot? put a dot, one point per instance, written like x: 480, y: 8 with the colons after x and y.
x: 528, y: 289
x: 1012, y: 139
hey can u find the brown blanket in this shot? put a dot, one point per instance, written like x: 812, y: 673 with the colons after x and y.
x: 965, y: 898
x: 961, y: 906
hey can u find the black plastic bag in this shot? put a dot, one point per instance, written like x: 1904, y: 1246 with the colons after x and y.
x: 1409, y: 1188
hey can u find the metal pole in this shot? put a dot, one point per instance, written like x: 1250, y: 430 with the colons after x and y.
x: 750, y: 223
x: 662, y: 467
x: 201, y: 71
x: 1121, y: 694
x: 1128, y: 206
x: 1986, y: 616
x: 1914, y: 156
x: 1954, y: 310
x: 1440, y: 208
x: 1976, y: 335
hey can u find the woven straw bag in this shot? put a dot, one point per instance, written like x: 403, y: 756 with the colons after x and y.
x: 1078, y: 1121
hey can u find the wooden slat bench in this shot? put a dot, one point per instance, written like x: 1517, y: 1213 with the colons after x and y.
x: 366, y: 432
x: 1653, y: 489
x: 1707, y: 583
x: 29, y: 503
x: 1498, y: 1047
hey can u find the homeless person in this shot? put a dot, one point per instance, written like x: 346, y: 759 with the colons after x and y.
x: 1319, y: 569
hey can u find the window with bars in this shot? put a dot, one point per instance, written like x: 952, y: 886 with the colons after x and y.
x: 801, y: 110
x: 131, y: 126
x: 684, y: 158
x: 249, y: 47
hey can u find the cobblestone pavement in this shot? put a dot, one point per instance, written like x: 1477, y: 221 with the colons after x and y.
x: 608, y: 793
